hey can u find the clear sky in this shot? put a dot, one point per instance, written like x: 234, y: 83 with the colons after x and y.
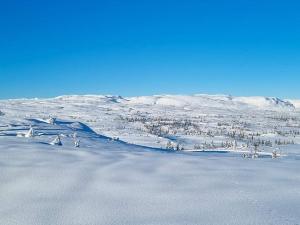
x: 144, y: 47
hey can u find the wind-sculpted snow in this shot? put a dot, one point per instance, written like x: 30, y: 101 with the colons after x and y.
x: 115, y: 184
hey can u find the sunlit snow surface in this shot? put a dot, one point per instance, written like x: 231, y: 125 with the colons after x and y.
x: 114, y: 182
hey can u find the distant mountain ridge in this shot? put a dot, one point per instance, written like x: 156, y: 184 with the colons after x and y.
x: 215, y: 100
x: 196, y: 100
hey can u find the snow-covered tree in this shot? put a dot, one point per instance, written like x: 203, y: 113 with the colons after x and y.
x: 75, y: 135
x: 77, y: 143
x: 51, y: 120
x: 274, y: 154
x: 234, y: 145
x: 170, y: 145
x: 56, y: 141
x: 30, y: 132
x: 179, y: 147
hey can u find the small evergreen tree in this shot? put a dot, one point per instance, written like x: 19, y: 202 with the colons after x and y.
x: 30, y: 133
x: 56, y: 141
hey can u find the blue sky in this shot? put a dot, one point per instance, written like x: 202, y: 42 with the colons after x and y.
x: 50, y: 48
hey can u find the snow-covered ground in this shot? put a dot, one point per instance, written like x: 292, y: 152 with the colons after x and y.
x: 134, y: 179
x: 193, y: 122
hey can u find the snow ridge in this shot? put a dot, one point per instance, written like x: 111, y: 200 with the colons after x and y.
x: 199, y: 100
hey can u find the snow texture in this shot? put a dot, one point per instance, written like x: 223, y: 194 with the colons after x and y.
x: 107, y: 180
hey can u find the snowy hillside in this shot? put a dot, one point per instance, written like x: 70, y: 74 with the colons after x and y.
x: 190, y: 121
x: 213, y: 100
x: 295, y: 102
x: 201, y: 159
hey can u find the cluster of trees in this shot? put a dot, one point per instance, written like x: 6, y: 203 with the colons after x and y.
x: 213, y: 145
x: 31, y: 133
x: 287, y: 133
x: 233, y: 128
x: 284, y: 142
x: 174, y: 146
x: 283, y: 118
x: 259, y: 142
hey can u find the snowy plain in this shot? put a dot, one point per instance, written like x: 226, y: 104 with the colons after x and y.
x: 122, y: 172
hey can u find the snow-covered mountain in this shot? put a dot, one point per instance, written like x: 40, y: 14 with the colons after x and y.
x: 295, y: 102
x: 191, y: 101
x: 201, y: 100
